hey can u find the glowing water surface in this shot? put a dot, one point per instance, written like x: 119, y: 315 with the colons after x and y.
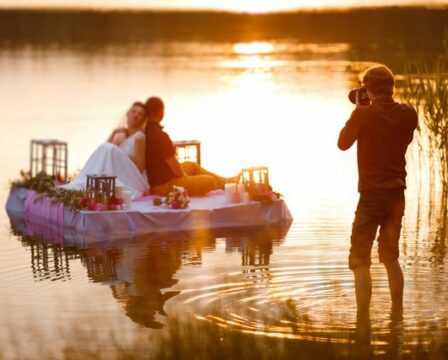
x: 280, y: 104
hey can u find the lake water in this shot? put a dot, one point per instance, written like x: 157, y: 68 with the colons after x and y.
x: 266, y: 293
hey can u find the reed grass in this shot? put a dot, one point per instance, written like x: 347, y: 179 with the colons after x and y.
x: 426, y: 87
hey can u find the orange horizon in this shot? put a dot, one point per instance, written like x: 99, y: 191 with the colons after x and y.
x: 266, y: 9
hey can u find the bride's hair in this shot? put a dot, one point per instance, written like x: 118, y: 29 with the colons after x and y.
x: 122, y: 121
x: 143, y: 107
x: 139, y: 103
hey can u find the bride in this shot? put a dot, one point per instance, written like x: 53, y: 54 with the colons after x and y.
x: 123, y: 155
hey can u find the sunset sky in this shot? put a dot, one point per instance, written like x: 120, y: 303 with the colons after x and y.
x: 233, y: 5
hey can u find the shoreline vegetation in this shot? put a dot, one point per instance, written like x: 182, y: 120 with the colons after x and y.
x: 415, y: 27
x: 426, y: 87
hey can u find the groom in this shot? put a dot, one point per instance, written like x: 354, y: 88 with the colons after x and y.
x: 383, y: 131
x: 163, y: 169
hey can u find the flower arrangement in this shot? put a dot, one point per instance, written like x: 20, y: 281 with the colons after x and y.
x: 267, y: 197
x: 178, y: 198
x: 76, y: 200
x: 113, y: 203
x: 256, y: 183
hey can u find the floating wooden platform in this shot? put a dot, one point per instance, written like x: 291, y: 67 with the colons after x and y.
x: 211, y: 212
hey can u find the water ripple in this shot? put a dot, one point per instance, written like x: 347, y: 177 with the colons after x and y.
x: 315, y: 302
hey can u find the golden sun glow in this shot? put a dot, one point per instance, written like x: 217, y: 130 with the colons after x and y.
x: 257, y: 6
x: 266, y: 6
x: 252, y: 56
x: 251, y: 48
x: 248, y: 6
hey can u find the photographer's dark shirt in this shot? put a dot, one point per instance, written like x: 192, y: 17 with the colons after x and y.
x: 383, y: 131
x: 159, y: 148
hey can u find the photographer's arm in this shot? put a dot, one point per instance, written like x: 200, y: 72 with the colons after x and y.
x: 349, y: 134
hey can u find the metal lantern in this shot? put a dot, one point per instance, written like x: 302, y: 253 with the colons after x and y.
x: 188, y: 150
x: 256, y: 179
x: 100, y: 188
x: 49, y: 157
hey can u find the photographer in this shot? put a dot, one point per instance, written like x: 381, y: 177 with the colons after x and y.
x: 383, y: 129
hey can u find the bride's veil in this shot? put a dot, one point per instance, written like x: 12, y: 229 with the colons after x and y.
x: 121, y: 121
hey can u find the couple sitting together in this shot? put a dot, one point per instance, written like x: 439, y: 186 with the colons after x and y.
x: 143, y: 158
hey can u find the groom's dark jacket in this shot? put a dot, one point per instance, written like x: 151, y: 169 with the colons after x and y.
x: 159, y: 148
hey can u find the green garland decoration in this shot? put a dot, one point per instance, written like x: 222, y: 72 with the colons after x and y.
x: 45, y: 186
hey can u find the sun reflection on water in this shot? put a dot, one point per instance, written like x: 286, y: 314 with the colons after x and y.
x: 255, y: 47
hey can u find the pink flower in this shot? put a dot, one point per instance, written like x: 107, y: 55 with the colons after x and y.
x: 100, y: 207
x: 112, y: 207
x: 176, y: 204
x: 236, y: 198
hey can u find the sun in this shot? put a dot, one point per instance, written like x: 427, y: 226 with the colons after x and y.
x: 266, y: 6
x: 256, y: 6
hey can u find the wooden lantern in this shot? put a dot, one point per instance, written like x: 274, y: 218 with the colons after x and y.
x: 100, y: 188
x: 49, y: 157
x: 256, y: 180
x: 188, y: 150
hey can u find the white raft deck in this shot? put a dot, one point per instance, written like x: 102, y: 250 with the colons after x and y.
x: 211, y: 212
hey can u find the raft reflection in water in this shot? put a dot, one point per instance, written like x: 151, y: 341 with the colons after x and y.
x: 140, y: 271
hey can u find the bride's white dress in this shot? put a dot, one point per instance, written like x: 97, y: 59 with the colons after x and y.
x: 115, y: 160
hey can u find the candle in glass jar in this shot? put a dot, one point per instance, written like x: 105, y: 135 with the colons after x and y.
x: 119, y: 192
x: 229, y: 190
x: 127, y: 198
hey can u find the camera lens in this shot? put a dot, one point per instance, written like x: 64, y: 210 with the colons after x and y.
x: 363, y: 98
x: 352, y: 96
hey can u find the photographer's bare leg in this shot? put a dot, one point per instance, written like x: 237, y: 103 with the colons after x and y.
x: 389, y: 249
x: 363, y: 288
x: 396, y: 284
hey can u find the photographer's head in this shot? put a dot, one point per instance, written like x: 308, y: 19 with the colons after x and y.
x: 379, y: 81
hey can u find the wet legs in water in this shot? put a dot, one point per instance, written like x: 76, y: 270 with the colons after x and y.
x: 396, y: 284
x: 363, y: 286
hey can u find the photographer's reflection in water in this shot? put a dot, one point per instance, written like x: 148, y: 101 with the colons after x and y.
x: 363, y: 333
x: 393, y: 340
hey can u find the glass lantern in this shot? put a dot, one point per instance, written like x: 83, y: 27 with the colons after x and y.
x: 256, y: 180
x: 49, y: 157
x: 188, y: 150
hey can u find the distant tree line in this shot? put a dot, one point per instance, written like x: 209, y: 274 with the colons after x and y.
x: 415, y: 27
